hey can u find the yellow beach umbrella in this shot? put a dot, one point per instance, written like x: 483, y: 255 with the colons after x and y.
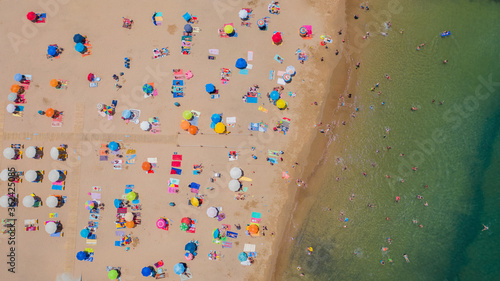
x: 281, y: 104
x: 195, y: 202
x: 220, y: 128
x: 228, y: 29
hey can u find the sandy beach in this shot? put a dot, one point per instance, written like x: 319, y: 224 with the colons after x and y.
x: 85, y: 131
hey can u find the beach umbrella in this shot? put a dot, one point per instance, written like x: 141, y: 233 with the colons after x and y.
x: 79, y: 48
x: 253, y: 229
x: 131, y: 196
x: 55, y: 153
x: 243, y: 14
x: 9, y: 153
x: 261, y: 23
x: 146, y: 166
x: 15, y: 88
x: 148, y: 89
x: 113, y: 274
x: 12, y: 97
x: 54, y: 176
x: 179, y: 268
x: 100, y: 106
x: 277, y: 38
x: 78, y: 38
x: 146, y: 271
x: 212, y: 212
x: 242, y: 256
x: 188, y: 256
x: 129, y: 216
x: 130, y: 224
x: 186, y: 220
x: 52, y: 51
x: 90, y: 77
x: 190, y: 247
x: 28, y: 201
x: 210, y: 88
x: 184, y: 226
x: 51, y: 227
x: 234, y: 185
x: 193, y: 130
x: 31, y: 175
x: 303, y: 31
x: 113, y: 146
x: 31, y: 16
x: 275, y: 95
x: 290, y: 70
x: 54, y: 83
x: 228, y: 29
x: 18, y: 77
x: 160, y: 223
x: 195, y: 202
x: 126, y: 114
x: 11, y: 108
x: 82, y: 256
x: 188, y: 115
x: 4, y: 175
x: 49, y: 112
x: 241, y: 63
x: 281, y: 104
x: 30, y: 152
x: 236, y: 173
x: 185, y: 125
x: 4, y: 201
x: 216, y: 118
x: 85, y: 233
x: 89, y: 205
x: 212, y: 125
x: 287, y: 77
x: 216, y: 233
x: 52, y: 201
x: 145, y: 126
x: 220, y: 128
x: 117, y: 203
x: 188, y: 28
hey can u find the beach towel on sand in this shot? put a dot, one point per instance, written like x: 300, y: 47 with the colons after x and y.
x: 176, y: 157
x: 175, y: 171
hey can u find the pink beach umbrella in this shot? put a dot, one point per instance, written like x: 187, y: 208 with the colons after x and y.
x: 161, y: 224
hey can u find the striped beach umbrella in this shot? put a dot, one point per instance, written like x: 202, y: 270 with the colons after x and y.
x: 303, y: 31
x: 287, y: 77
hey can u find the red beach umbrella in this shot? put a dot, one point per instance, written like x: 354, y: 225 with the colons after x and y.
x: 277, y: 38
x: 31, y: 16
x: 90, y: 77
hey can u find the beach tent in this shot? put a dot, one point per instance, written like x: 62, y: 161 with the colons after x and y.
x: 242, y: 257
x: 212, y: 212
x: 187, y: 17
x: 188, y: 28
x: 179, y: 268
x: 243, y: 14
x: 9, y: 153
x: 236, y: 173
x: 275, y: 95
x: 51, y: 227
x: 4, y: 201
x: 277, y: 38
x: 241, y: 63
x: 234, y: 185
x: 78, y: 38
x: 210, y: 88
x: 4, y: 175
x: 52, y: 201
x: 82, y: 256
x: 113, y: 274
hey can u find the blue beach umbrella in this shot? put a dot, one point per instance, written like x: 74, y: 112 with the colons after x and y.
x: 242, y: 256
x: 126, y: 114
x: 188, y: 28
x: 216, y: 118
x: 52, y: 51
x: 117, y: 203
x: 210, y: 88
x: 146, y: 271
x: 78, y: 38
x: 275, y: 95
x: 190, y: 247
x: 241, y: 63
x: 113, y: 146
x: 18, y: 77
x: 81, y: 256
x: 216, y: 233
x: 212, y: 125
x: 85, y: 233
x: 79, y: 47
x: 179, y: 268
x: 148, y: 89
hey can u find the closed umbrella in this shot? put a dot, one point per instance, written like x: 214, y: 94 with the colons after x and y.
x: 51, y: 227
x: 145, y: 126
x: 242, y: 256
x: 220, y: 128
x: 236, y: 173
x: 216, y: 118
x: 148, y: 89
x: 78, y: 38
x: 9, y: 153
x: 31, y: 16
x: 54, y: 153
x: 12, y: 97
x: 179, y: 268
x: 113, y: 146
x: 11, y: 108
x: 85, y: 233
x: 129, y: 216
x: 80, y: 47
x: 161, y: 223
x: 234, y: 185
x: 126, y: 114
x: 277, y: 38
x: 241, y: 63
x: 188, y: 115
x: 243, y: 14
x: 4, y: 175
x: 30, y: 152
x: 210, y: 88
x: 113, y: 274
x: 4, y: 201
x: 28, y: 201
x: 188, y: 28
x: 52, y: 51
x: 52, y: 201
x: 193, y: 130
x: 54, y: 176
x: 228, y: 29
x: 212, y: 212
x: 31, y: 175
x: 18, y: 77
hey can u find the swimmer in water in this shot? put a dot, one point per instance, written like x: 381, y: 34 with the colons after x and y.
x: 385, y: 249
x: 406, y: 257
x: 485, y: 228
x: 426, y: 204
x: 420, y: 197
x: 397, y: 199
x: 382, y: 262
x: 389, y: 240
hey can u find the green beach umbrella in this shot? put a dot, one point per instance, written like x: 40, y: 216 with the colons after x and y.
x: 184, y: 227
x: 113, y: 274
x: 187, y: 115
x: 131, y: 196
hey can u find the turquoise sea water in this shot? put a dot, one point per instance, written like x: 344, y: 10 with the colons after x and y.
x: 455, y: 146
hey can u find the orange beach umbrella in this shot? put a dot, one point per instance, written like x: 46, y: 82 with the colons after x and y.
x: 54, y: 82
x: 146, y: 166
x: 193, y: 130
x: 49, y: 112
x: 15, y: 88
x: 185, y: 125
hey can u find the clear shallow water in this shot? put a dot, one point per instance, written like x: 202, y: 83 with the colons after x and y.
x: 456, y: 147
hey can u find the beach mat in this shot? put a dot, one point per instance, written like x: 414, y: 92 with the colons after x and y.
x: 176, y: 164
x: 176, y: 157
x: 243, y: 71
x: 175, y: 171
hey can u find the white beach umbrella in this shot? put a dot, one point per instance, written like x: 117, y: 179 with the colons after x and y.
x: 31, y: 152
x: 9, y: 153
x: 4, y: 175
x: 290, y: 70
x: 212, y: 212
x: 28, y: 201
x: 236, y: 173
x: 52, y: 201
x: 11, y: 108
x: 51, y: 227
x: 243, y: 14
x: 234, y: 185
x: 54, y: 175
x: 4, y: 201
x: 145, y: 126
x: 129, y: 216
x: 54, y: 153
x: 31, y: 175
x: 100, y: 106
